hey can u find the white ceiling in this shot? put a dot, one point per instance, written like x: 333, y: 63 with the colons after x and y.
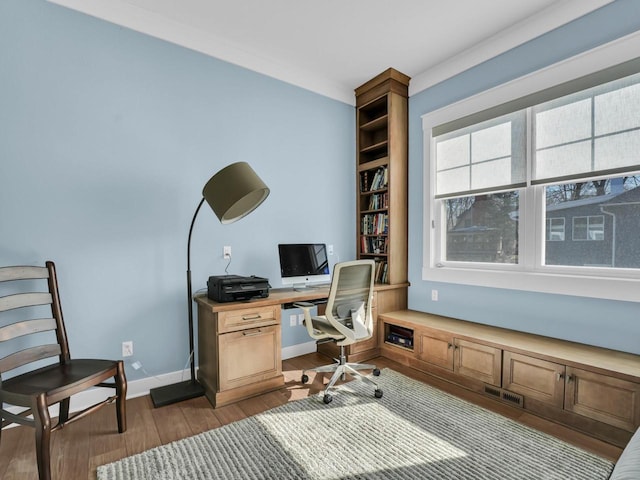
x: 333, y: 46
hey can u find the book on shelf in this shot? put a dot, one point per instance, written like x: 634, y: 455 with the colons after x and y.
x: 378, y: 180
x: 375, y: 224
x: 374, y: 245
x: 378, y: 201
x: 381, y: 275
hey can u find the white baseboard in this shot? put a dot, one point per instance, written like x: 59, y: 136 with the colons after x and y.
x: 141, y: 387
x: 135, y: 388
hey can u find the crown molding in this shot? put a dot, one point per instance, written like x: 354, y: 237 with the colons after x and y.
x: 151, y: 23
x: 122, y: 13
x: 548, y: 19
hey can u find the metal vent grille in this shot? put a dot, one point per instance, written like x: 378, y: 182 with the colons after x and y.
x: 494, y: 392
x: 504, y: 395
x: 512, y: 398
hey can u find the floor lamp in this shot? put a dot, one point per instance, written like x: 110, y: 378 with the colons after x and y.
x: 232, y: 193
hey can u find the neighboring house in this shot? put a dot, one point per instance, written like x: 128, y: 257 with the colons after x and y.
x: 623, y: 212
x: 579, y: 233
x: 599, y: 231
x: 595, y: 231
x: 484, y: 232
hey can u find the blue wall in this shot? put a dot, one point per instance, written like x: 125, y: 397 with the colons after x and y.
x: 107, y: 137
x: 598, y: 322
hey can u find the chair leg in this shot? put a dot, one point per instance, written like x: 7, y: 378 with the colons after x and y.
x: 63, y: 415
x: 356, y: 374
x: 43, y: 437
x: 121, y: 401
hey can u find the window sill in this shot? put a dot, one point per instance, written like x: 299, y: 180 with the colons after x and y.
x: 622, y: 289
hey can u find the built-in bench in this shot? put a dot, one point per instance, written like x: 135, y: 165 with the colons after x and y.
x: 591, y: 389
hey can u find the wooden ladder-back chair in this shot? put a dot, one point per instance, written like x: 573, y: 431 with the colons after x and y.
x: 43, y: 386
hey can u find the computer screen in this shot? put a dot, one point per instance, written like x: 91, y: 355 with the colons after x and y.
x: 303, y: 264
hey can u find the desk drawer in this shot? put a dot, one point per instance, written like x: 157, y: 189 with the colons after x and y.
x: 233, y: 321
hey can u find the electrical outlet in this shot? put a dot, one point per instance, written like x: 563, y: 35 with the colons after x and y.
x: 300, y: 318
x: 226, y: 252
x: 434, y: 295
x: 329, y: 249
x: 127, y: 349
x: 293, y: 320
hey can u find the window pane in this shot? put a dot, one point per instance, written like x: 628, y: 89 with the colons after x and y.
x: 618, y: 110
x: 604, y: 218
x: 492, y: 153
x: 590, y: 132
x: 615, y: 151
x: 564, y: 124
x: 494, y: 142
x: 563, y: 160
x: 483, y: 228
x: 453, y: 152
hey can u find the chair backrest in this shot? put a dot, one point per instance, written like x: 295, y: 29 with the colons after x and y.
x: 19, y: 300
x: 350, y: 296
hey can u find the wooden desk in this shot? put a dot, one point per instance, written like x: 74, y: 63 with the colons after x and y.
x: 240, y: 343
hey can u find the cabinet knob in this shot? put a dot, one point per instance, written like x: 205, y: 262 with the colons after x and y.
x: 449, y: 346
x: 570, y: 378
x: 560, y: 376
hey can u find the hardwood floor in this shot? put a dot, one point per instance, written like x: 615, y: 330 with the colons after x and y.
x: 80, y: 448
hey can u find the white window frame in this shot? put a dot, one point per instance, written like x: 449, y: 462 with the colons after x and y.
x: 527, y: 275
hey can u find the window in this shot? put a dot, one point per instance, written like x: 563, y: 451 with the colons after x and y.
x: 555, y: 229
x: 508, y: 175
x: 588, y: 228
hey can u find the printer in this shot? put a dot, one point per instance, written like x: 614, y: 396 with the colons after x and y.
x: 229, y: 288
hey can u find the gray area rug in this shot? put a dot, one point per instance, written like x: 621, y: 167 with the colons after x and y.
x: 414, y: 432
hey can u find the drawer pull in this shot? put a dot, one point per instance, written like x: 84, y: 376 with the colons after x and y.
x: 560, y: 376
x: 570, y: 378
x: 252, y: 333
x: 255, y: 316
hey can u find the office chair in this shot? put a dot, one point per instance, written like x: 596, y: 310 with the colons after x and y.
x: 43, y: 386
x: 347, y: 320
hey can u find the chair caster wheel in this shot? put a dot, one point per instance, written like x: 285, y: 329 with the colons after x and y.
x: 376, y: 372
x: 378, y: 393
x: 304, y: 379
x: 327, y: 398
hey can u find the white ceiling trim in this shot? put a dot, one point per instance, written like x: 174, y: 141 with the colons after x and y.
x: 148, y: 22
x: 548, y: 19
x: 125, y: 14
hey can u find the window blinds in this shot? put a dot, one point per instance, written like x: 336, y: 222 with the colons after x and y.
x: 485, y: 157
x: 587, y: 127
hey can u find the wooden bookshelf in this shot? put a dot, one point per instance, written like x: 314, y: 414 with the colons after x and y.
x: 382, y: 118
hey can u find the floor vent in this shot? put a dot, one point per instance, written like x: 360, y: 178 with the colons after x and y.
x: 504, y: 395
x: 494, y: 392
x: 512, y: 398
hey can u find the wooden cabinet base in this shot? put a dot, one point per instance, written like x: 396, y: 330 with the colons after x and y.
x: 219, y: 399
x: 590, y: 389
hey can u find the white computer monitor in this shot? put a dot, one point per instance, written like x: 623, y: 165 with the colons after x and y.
x: 304, y: 265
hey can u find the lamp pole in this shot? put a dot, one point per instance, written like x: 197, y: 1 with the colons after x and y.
x: 232, y: 193
x: 192, y: 351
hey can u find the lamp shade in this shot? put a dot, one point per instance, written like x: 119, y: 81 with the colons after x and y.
x: 235, y: 191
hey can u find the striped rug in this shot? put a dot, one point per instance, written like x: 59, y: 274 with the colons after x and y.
x: 414, y: 432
